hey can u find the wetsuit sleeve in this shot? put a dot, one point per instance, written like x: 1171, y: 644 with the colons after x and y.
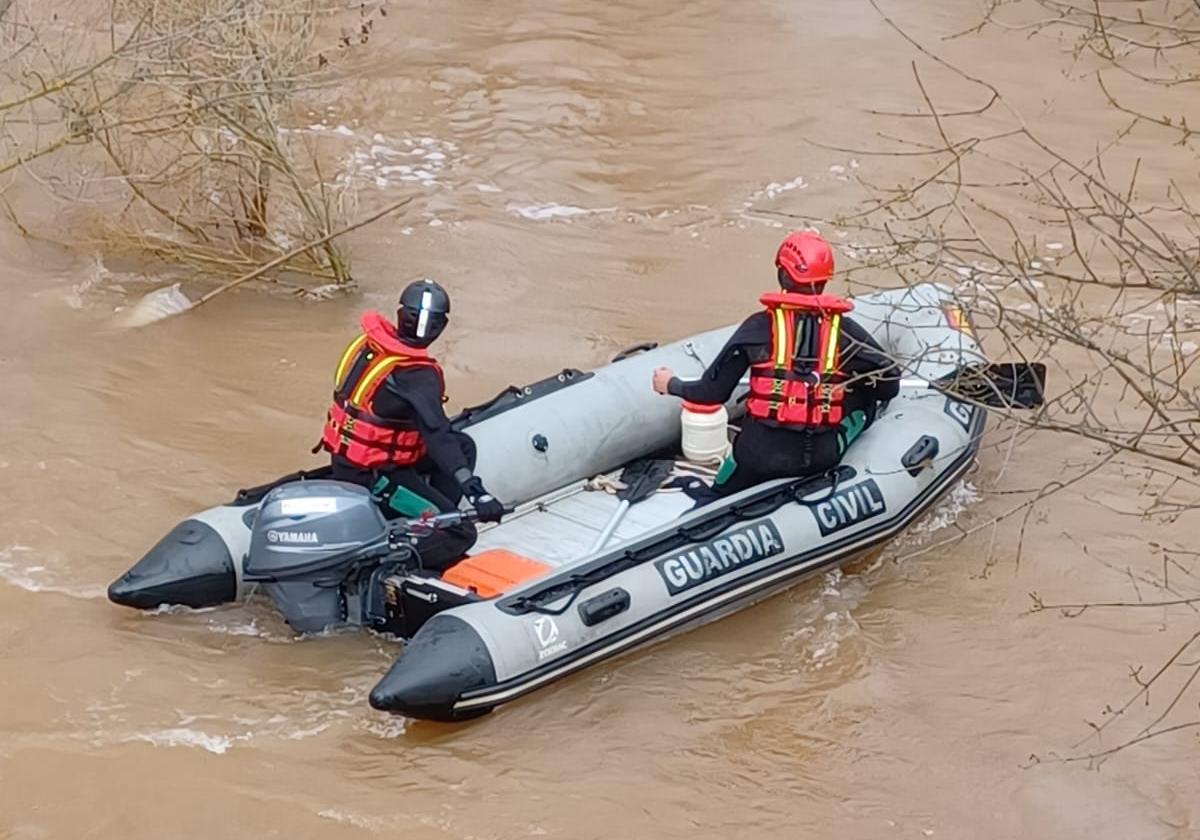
x: 866, y: 363
x: 749, y: 344
x: 415, y: 394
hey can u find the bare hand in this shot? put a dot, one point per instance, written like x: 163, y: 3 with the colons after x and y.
x: 662, y: 376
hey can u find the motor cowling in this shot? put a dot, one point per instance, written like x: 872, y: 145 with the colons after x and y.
x: 310, y: 542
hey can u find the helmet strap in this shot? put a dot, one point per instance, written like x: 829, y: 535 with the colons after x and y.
x: 789, y: 285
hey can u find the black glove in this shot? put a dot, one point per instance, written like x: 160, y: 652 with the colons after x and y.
x: 487, y: 506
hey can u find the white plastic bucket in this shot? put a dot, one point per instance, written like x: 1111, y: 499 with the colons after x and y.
x: 705, y: 436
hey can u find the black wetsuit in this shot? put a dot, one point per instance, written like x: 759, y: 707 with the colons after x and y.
x: 414, y: 394
x: 763, y: 451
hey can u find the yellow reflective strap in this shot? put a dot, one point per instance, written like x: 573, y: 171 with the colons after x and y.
x: 347, y: 359
x: 831, y: 347
x: 780, y: 337
x: 380, y: 368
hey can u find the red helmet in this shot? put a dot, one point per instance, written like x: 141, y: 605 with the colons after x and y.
x: 805, y: 262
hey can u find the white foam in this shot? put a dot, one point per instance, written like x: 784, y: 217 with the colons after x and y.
x: 389, y: 727
x: 773, y: 189
x: 962, y: 496
x: 551, y: 210
x: 301, y: 734
x: 100, y: 275
x: 829, y: 584
x: 487, y: 188
x: 383, y: 162
x: 235, y: 628
x: 39, y: 578
x: 356, y: 820
x: 172, y: 609
x: 777, y: 188
x: 184, y: 737
x: 326, y: 291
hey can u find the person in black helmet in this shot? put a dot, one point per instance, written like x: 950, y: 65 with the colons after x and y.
x: 387, y: 430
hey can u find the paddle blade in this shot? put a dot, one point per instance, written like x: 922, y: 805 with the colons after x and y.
x: 642, y: 478
x: 998, y: 385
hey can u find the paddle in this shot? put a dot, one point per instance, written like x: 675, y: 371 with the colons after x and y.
x: 641, y: 479
x: 996, y: 385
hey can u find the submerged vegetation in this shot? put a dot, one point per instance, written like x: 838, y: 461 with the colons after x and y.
x: 183, y: 118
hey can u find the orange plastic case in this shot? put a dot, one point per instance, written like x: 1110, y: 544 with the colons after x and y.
x: 493, y: 572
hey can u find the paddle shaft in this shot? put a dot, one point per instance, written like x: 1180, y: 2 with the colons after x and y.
x: 613, y: 522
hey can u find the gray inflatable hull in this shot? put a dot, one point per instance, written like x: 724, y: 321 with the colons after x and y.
x: 669, y: 568
x: 707, y: 563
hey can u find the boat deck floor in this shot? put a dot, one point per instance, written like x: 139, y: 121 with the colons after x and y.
x: 561, y: 527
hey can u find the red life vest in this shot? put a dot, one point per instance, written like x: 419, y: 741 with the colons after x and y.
x: 352, y: 429
x: 801, y: 384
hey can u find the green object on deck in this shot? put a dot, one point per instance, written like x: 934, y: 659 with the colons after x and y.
x: 402, y: 500
x: 726, y: 469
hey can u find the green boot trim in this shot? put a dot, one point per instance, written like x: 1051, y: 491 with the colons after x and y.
x: 726, y: 469
x: 849, y: 429
x: 402, y: 500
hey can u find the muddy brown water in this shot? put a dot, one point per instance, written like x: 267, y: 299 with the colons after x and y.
x: 589, y: 167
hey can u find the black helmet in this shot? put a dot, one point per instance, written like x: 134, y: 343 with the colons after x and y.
x: 423, y: 313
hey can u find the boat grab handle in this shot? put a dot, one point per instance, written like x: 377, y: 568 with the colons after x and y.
x: 603, y: 607
x: 920, y: 455
x: 644, y: 347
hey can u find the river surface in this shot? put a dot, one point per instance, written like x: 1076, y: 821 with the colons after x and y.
x: 595, y: 176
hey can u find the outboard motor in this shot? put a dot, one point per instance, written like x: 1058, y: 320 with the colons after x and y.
x: 315, y: 548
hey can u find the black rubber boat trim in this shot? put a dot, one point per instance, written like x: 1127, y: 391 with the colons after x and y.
x: 633, y: 350
x: 764, y: 578
x: 514, y: 395
x: 254, y: 495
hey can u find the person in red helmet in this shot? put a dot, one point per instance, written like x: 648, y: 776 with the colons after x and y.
x: 817, y: 378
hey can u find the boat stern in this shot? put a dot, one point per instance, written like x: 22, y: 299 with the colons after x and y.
x: 444, y: 660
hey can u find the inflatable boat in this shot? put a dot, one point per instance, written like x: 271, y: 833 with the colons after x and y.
x: 580, y: 571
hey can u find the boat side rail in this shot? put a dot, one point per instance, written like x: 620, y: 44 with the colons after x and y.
x: 567, y: 586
